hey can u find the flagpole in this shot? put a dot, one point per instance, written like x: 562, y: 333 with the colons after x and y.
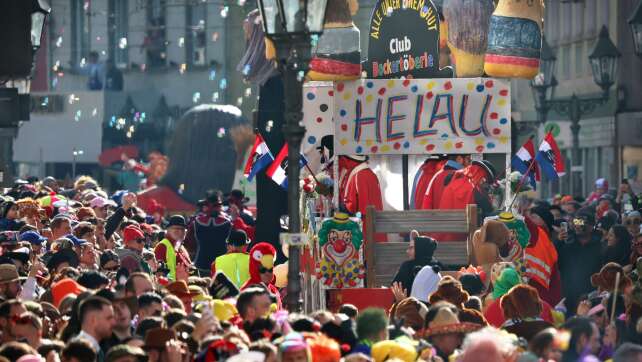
x: 522, y: 180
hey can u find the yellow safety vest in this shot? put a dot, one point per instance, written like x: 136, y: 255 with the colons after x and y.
x: 170, y: 257
x: 236, y: 266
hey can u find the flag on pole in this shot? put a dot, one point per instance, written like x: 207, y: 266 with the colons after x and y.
x: 522, y: 161
x: 260, y: 158
x: 278, y: 169
x: 550, y: 158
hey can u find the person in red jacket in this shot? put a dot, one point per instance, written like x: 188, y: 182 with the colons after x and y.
x: 262, y: 269
x: 432, y: 196
x: 359, y: 187
x: 468, y: 186
x: 424, y: 176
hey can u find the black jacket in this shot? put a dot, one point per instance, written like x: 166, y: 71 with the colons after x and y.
x: 424, y: 249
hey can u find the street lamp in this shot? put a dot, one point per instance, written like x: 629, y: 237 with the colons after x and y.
x: 38, y: 17
x: 291, y: 24
x: 635, y: 22
x: 75, y: 154
x: 603, y: 61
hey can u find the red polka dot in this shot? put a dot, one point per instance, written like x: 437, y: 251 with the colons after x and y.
x: 340, y: 87
x: 382, y: 91
x: 496, y: 131
x: 489, y: 84
x: 360, y: 90
x: 331, y: 93
x: 494, y: 115
x: 397, y: 145
x: 479, y: 148
x: 319, y: 119
x: 344, y: 127
x: 429, y: 95
x: 406, y: 82
x: 503, y: 92
x: 430, y: 148
x: 459, y: 144
x: 374, y: 149
x: 448, y: 85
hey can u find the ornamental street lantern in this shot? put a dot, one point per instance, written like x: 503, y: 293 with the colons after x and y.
x: 635, y: 22
x: 40, y: 12
x: 290, y: 18
x: 604, y: 60
x: 291, y: 24
x: 546, y: 65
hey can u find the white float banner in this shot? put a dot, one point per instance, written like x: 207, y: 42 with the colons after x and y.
x: 422, y: 116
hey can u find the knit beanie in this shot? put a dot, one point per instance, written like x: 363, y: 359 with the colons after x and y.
x: 507, y: 279
x: 425, y: 282
x: 472, y: 283
x: 521, y: 302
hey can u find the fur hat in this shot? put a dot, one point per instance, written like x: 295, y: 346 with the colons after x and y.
x: 450, y: 290
x: 605, y: 279
x: 412, y: 311
x: 521, y: 302
x: 468, y: 315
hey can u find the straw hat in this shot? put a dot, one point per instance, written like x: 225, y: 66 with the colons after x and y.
x: 445, y: 321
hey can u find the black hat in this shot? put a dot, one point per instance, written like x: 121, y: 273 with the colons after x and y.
x: 472, y: 283
x: 545, y: 213
x: 63, y: 256
x: 214, y: 197
x: 489, y: 168
x: 238, y: 195
x: 238, y: 238
x: 92, y: 279
x: 107, y: 256
x: 176, y: 220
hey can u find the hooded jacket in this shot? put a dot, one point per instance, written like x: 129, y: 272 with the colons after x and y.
x: 262, y: 255
x: 424, y: 249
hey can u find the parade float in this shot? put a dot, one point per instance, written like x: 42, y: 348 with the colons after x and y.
x: 406, y: 106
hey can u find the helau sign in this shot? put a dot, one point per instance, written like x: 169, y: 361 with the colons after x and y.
x: 404, y: 40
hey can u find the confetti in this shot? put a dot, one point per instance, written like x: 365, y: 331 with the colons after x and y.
x: 241, y: 2
x: 45, y: 102
x: 268, y: 125
x: 196, y: 97
x: 56, y: 66
x: 182, y: 68
x: 215, y: 97
x: 246, y: 69
x: 239, y: 101
x: 73, y: 98
x: 212, y: 74
x: 122, y: 43
x: 220, y: 133
x: 94, y: 112
x: 248, y: 92
x: 215, y: 36
x: 224, y: 11
x: 181, y: 42
x: 59, y: 42
x: 83, y: 62
x: 78, y: 115
x: 223, y: 83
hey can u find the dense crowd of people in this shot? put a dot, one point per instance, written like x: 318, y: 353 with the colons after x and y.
x: 90, y: 276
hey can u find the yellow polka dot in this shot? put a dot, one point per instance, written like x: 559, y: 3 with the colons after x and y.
x: 470, y: 86
x: 391, y: 83
x: 385, y: 148
x: 479, y: 141
x: 448, y: 145
x: 343, y: 141
x: 347, y: 96
x: 369, y: 143
x: 369, y: 98
x: 423, y: 142
x: 430, y: 85
x: 501, y: 102
x: 503, y: 139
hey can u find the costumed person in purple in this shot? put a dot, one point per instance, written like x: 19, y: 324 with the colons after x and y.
x: 208, y: 232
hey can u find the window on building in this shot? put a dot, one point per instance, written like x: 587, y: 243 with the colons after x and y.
x: 118, y: 24
x: 80, y: 32
x: 566, y: 62
x: 195, y: 37
x: 579, y: 59
x: 156, y: 38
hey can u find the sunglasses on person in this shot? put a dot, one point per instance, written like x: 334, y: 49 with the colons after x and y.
x: 633, y: 222
x: 263, y: 270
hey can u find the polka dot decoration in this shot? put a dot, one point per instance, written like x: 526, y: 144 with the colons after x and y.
x: 439, y: 127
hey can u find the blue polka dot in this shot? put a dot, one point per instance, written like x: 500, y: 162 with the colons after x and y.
x: 444, y: 135
x: 480, y: 87
x: 490, y: 145
x: 312, y: 140
x: 359, y: 149
x: 503, y: 121
x: 414, y: 88
x: 343, y: 113
x: 425, y: 10
x: 406, y: 144
x: 311, y: 96
x: 369, y: 84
